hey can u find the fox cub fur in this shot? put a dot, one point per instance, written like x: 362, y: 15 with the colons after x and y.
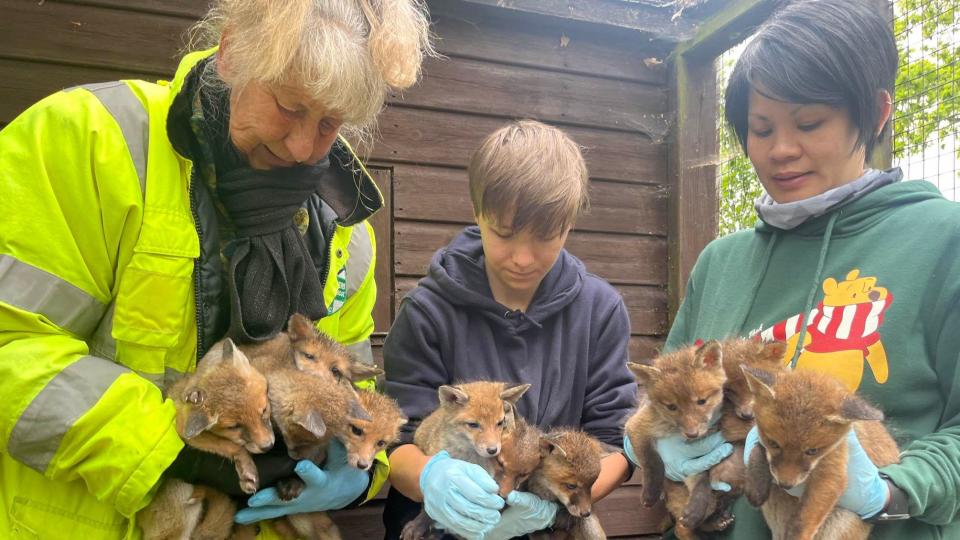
x: 570, y: 464
x: 519, y: 456
x: 469, y: 424
x: 222, y: 408
x: 684, y: 396
x: 305, y: 348
x: 803, y: 418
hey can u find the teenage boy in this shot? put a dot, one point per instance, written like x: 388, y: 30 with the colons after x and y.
x: 505, y: 301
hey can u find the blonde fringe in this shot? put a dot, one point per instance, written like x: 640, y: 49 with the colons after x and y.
x: 346, y: 54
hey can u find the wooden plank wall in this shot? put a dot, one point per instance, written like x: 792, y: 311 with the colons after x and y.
x: 498, y: 65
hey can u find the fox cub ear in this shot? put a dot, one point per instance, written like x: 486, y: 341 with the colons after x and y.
x: 709, y: 355
x: 760, y: 382
x: 549, y: 446
x: 853, y: 408
x: 452, y: 395
x: 360, y: 371
x: 645, y: 374
x: 313, y: 423
x: 357, y: 412
x: 300, y: 327
x: 198, y: 421
x: 514, y: 393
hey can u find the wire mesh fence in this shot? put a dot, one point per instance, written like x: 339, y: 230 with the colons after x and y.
x: 926, y: 117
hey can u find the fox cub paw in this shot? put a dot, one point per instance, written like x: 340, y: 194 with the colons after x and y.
x: 289, y: 489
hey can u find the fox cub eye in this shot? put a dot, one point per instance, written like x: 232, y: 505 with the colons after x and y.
x: 571, y: 487
x: 473, y: 425
x: 672, y: 407
x: 337, y: 373
x: 811, y: 451
x: 356, y: 431
x: 701, y: 401
x: 381, y: 443
x: 309, y: 356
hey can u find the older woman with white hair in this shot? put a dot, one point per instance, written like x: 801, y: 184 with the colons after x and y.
x: 143, y: 222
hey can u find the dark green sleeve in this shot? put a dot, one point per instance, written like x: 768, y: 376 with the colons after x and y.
x: 929, y: 471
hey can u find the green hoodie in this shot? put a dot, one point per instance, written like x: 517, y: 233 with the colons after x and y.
x: 880, y: 278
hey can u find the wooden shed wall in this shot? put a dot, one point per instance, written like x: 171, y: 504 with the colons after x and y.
x: 498, y: 65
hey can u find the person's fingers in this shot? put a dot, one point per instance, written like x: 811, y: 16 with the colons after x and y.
x: 311, y: 474
x: 706, y: 444
x: 252, y: 515
x: 480, y: 494
x: 336, y: 454
x: 522, y: 499
x: 720, y: 486
x: 481, y: 478
x: 265, y: 497
x: 469, y: 509
x: 704, y: 463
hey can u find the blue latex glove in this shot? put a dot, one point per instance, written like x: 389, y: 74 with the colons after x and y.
x: 525, y: 514
x: 866, y: 492
x: 682, y: 459
x: 460, y: 497
x: 331, y: 488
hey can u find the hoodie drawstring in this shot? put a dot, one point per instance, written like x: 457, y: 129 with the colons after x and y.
x: 814, y: 287
x: 774, y: 236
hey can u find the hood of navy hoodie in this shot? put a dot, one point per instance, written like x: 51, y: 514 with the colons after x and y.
x: 458, y: 273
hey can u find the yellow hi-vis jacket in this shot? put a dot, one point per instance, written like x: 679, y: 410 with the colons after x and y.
x: 99, y: 271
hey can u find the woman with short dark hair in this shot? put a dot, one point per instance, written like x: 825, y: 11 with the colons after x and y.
x: 857, y: 270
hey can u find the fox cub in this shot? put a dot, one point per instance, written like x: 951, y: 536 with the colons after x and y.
x: 305, y: 348
x: 469, y: 424
x: 222, y: 408
x: 309, y: 411
x: 684, y: 396
x: 570, y: 464
x: 803, y: 418
x: 519, y: 456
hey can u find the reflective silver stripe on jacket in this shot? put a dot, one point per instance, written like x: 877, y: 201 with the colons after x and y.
x: 131, y: 116
x: 360, y: 249
x: 27, y: 287
x: 36, y: 436
x: 363, y: 351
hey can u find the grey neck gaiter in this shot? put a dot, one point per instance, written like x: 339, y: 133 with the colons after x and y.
x: 791, y: 215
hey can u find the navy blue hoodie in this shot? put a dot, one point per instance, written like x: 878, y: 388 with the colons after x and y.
x: 570, y: 344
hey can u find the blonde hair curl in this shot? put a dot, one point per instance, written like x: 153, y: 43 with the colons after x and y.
x: 345, y: 54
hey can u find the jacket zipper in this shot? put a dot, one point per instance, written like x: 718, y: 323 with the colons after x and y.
x: 197, y: 285
x: 326, y: 263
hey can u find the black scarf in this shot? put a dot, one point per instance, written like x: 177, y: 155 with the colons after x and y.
x: 270, y: 273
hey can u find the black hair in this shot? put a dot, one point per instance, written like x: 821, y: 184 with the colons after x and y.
x: 834, y: 52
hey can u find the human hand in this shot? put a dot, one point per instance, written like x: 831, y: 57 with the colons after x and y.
x: 198, y: 467
x: 682, y: 458
x: 460, y: 497
x: 525, y: 514
x: 330, y: 488
x: 866, y: 492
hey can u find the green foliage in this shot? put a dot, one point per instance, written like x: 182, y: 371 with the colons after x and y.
x: 738, y: 186
x: 926, y: 104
